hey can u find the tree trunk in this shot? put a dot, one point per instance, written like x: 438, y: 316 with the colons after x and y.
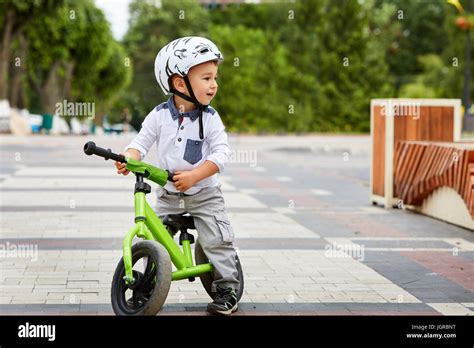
x: 5, y: 53
x: 49, y: 90
x: 69, y: 71
x: 17, y: 93
x: 55, y: 89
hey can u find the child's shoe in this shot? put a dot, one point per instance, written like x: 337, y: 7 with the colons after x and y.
x: 225, y: 302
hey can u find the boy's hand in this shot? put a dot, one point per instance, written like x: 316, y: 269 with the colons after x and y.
x: 121, y: 167
x: 184, y: 180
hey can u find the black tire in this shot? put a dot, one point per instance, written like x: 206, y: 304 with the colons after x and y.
x: 208, y: 278
x: 151, y: 289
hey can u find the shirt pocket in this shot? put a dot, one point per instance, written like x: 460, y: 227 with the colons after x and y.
x: 225, y: 228
x: 193, y: 151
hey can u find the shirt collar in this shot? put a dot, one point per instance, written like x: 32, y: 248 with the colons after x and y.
x: 193, y: 114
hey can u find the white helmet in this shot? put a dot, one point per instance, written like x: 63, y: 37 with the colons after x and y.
x: 180, y: 55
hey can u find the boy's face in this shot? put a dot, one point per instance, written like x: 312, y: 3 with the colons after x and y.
x: 203, y: 79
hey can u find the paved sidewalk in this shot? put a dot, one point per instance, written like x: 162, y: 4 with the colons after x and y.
x: 309, y: 242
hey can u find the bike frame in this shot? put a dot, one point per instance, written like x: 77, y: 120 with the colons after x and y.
x: 149, y: 227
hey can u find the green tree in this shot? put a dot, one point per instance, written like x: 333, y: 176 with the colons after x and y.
x: 442, y: 75
x: 151, y: 28
x: 14, y: 18
x: 427, y: 84
x: 420, y: 32
x: 73, y: 55
x: 349, y: 70
x: 303, y: 66
x: 256, y: 82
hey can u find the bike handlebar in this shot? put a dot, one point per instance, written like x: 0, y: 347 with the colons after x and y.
x: 90, y: 148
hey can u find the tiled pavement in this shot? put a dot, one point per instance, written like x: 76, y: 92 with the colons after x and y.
x: 308, y: 240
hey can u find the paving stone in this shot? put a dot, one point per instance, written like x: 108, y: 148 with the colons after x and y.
x: 283, y: 234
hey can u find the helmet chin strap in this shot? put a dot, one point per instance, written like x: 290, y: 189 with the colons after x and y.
x: 192, y: 99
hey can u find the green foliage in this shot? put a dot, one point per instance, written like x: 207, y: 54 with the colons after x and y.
x: 70, y: 54
x: 150, y: 29
x: 349, y: 70
x: 417, y: 31
x: 254, y: 81
x: 441, y: 75
x: 283, y: 68
x: 426, y: 85
x: 299, y: 66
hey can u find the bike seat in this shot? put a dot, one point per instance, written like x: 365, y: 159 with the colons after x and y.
x: 179, y: 222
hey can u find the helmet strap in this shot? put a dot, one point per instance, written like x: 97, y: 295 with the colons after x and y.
x: 182, y: 95
x: 191, y: 92
x: 192, y: 99
x: 198, y: 104
x: 201, y: 133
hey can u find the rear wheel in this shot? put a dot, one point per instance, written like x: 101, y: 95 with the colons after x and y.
x: 152, y: 277
x: 208, y: 278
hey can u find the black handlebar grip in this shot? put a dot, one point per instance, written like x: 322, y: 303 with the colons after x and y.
x: 90, y: 148
x: 170, y: 176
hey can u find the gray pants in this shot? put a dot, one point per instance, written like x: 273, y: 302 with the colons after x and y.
x: 215, y: 233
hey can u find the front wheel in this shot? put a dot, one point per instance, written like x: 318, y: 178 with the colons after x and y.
x: 152, y: 283
x: 208, y: 278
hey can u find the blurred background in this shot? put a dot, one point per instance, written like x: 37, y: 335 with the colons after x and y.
x: 290, y: 66
x: 306, y: 176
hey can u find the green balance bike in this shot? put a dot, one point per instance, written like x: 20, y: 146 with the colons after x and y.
x: 141, y: 287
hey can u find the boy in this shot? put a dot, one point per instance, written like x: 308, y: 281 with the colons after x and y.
x: 192, y: 143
